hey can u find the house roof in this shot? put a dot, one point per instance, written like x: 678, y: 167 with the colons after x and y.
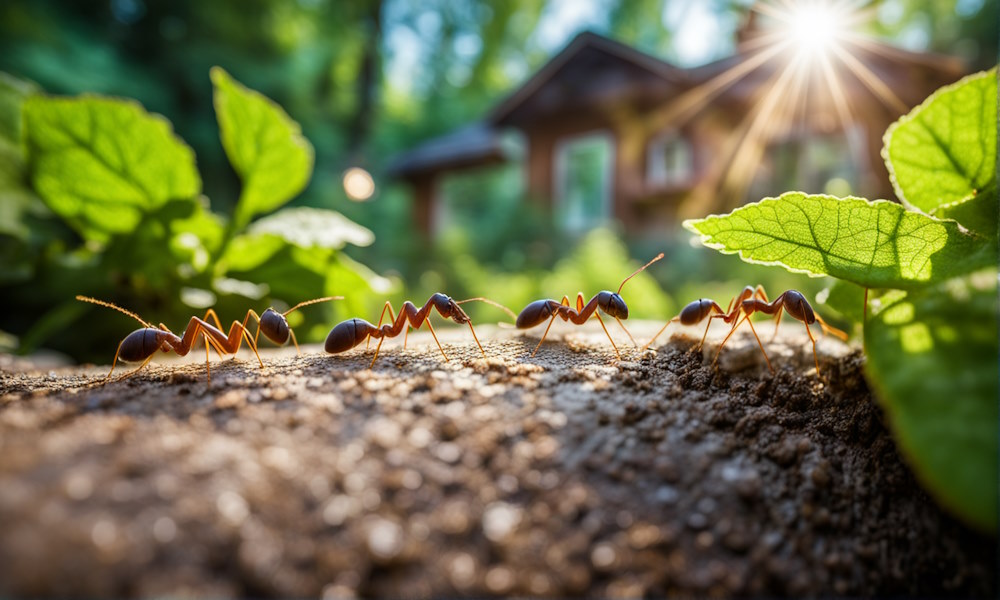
x: 474, y: 144
x: 574, y: 68
x: 593, y: 70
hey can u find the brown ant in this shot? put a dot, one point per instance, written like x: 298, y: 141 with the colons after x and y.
x: 350, y: 333
x: 703, y: 308
x: 273, y: 324
x: 797, y: 307
x: 611, y: 303
x: 747, y: 302
x: 142, y: 344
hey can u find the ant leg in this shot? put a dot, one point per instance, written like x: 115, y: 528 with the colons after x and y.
x: 115, y: 361
x: 551, y: 321
x: 777, y: 321
x: 580, y: 301
x: 377, y: 348
x: 139, y: 368
x: 291, y: 332
x: 431, y: 327
x: 762, y: 345
x: 662, y: 329
x: 625, y: 330
x: 728, y: 335
x: 211, y: 313
x: 472, y: 329
x: 760, y: 293
x: 831, y: 330
x: 601, y: 321
x: 815, y: 356
x: 392, y: 317
x: 707, y: 326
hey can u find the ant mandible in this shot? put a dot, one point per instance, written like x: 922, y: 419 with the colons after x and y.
x: 142, y: 344
x: 273, y: 324
x: 796, y: 305
x: 611, y: 303
x: 705, y: 308
x: 350, y: 333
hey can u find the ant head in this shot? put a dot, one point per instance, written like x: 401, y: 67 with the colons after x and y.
x: 797, y: 306
x: 141, y: 344
x: 274, y: 326
x: 612, y: 304
x: 450, y: 308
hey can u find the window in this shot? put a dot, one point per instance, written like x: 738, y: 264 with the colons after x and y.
x: 584, y: 178
x: 671, y: 160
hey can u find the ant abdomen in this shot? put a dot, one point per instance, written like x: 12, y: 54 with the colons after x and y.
x: 696, y: 311
x: 274, y: 326
x: 535, y: 313
x: 140, y: 344
x: 347, y: 335
x: 797, y: 306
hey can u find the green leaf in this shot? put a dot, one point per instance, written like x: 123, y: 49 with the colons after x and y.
x: 944, y: 152
x: 314, y: 228
x: 102, y: 163
x: 845, y: 299
x: 933, y: 361
x: 264, y: 145
x: 873, y: 244
x: 249, y: 251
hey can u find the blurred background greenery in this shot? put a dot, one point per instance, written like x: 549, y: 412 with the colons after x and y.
x: 366, y: 80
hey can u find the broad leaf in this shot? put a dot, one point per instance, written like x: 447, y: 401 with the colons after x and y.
x: 932, y: 357
x: 248, y: 251
x: 873, y: 244
x: 101, y: 163
x: 314, y: 228
x: 944, y: 153
x: 264, y: 145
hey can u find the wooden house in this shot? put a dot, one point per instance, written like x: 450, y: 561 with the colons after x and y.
x: 603, y: 131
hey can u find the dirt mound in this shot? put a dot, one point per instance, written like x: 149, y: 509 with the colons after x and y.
x: 568, y: 473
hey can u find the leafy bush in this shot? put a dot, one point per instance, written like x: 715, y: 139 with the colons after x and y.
x: 101, y: 198
x: 932, y: 342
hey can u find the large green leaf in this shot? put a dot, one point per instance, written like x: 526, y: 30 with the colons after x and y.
x: 101, y: 163
x: 873, y: 244
x: 944, y: 153
x: 264, y: 145
x: 933, y: 361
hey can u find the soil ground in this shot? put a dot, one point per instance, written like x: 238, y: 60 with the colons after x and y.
x: 564, y: 474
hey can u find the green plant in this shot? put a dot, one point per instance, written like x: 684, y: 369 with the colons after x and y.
x: 932, y: 341
x: 120, y: 196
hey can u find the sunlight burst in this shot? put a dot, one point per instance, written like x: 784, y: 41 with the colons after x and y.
x: 816, y: 27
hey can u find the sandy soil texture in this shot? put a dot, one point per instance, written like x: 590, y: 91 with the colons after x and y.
x: 565, y: 474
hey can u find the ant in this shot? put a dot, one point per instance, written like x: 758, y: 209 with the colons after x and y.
x: 797, y: 307
x: 350, y: 333
x: 142, y: 344
x: 705, y: 308
x: 273, y: 324
x: 749, y: 301
x: 611, y: 303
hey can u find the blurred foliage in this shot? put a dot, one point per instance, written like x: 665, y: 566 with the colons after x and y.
x: 128, y: 223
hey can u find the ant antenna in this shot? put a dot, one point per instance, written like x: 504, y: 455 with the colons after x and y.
x: 308, y: 302
x: 640, y: 270
x: 114, y: 306
x: 488, y: 301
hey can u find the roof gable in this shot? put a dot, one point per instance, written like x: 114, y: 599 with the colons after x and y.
x: 591, y: 70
